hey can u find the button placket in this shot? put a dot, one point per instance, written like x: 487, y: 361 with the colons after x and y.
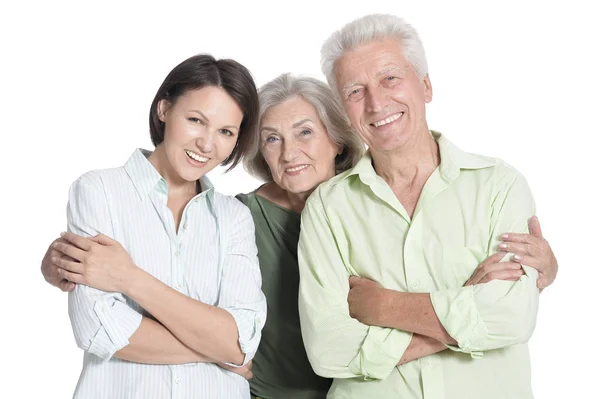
x: 410, y: 268
x: 177, y: 276
x: 176, y: 380
x: 176, y: 265
x: 416, y: 279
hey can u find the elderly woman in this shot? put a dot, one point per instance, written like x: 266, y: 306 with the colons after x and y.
x: 303, y: 140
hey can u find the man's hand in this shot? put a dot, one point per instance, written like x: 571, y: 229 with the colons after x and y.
x: 50, y: 270
x: 365, y: 300
x: 373, y: 305
x: 532, y: 250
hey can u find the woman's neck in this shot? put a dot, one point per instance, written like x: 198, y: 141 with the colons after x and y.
x: 283, y: 198
x: 178, y: 187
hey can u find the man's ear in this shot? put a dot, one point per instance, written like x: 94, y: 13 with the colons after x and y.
x: 428, y: 89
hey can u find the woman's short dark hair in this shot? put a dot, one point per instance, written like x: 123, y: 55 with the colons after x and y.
x: 204, y: 70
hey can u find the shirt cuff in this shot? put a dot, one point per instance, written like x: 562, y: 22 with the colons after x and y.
x: 380, y: 352
x: 458, y: 313
x: 249, y: 324
x: 118, y: 323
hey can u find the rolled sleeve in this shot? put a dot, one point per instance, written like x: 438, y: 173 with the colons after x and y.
x: 240, y: 293
x: 102, y: 322
x: 498, y: 313
x: 107, y: 327
x: 489, y: 316
x: 380, y: 352
x: 337, y: 345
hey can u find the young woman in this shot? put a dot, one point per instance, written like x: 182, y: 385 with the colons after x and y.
x: 169, y: 287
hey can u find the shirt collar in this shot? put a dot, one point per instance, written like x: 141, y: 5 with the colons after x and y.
x: 207, y: 187
x: 146, y: 178
x: 452, y: 160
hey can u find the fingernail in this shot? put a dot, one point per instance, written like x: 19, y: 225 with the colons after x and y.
x: 54, y: 259
x: 503, y: 245
x: 54, y: 245
x: 63, y: 233
x: 504, y: 236
x: 517, y: 257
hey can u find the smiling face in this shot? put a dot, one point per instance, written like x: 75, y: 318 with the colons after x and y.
x: 296, y: 146
x: 201, y: 130
x: 382, y: 95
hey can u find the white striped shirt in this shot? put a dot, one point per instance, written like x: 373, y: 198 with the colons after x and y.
x: 212, y: 258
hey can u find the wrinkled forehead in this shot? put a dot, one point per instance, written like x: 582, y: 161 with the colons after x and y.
x: 369, y: 60
x: 290, y: 113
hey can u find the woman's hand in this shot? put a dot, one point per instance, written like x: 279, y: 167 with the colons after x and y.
x: 245, y: 371
x: 532, y: 250
x: 50, y: 270
x: 493, y: 269
x: 529, y: 249
x: 99, y: 262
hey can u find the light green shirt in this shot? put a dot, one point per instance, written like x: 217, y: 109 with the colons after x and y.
x: 355, y: 225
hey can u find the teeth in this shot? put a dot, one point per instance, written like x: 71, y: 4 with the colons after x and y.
x: 297, y: 168
x: 388, y: 120
x: 196, y: 157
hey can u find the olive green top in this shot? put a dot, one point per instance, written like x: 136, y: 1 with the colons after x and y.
x: 280, y: 366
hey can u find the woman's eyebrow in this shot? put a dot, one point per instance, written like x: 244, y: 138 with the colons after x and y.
x: 295, y: 125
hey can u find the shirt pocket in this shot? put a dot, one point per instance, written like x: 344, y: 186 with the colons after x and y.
x: 459, y: 263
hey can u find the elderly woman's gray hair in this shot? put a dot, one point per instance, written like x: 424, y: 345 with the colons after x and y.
x: 331, y: 113
x: 366, y: 30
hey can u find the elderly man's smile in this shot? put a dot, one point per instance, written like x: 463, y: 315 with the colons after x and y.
x: 386, y: 121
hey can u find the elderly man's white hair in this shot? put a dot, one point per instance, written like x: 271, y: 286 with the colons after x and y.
x: 366, y: 30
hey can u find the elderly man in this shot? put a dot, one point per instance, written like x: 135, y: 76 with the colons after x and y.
x: 410, y: 224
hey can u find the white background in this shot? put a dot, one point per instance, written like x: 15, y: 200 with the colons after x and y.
x: 512, y: 79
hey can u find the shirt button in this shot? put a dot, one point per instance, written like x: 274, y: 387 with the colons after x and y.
x: 176, y: 253
x: 178, y: 286
x: 416, y: 283
x: 185, y: 226
x: 177, y: 380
